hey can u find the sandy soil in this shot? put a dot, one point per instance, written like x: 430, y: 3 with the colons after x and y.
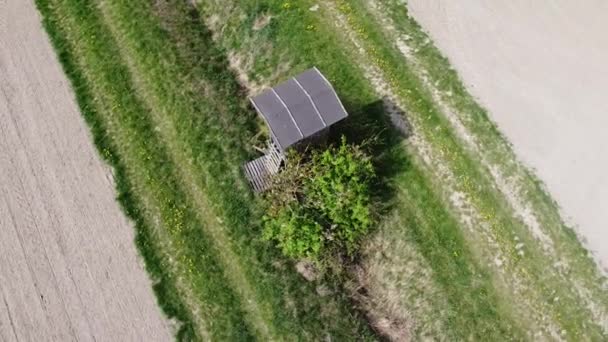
x: 69, y: 269
x: 541, y: 70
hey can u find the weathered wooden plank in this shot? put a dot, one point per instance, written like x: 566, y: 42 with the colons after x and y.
x: 259, y: 171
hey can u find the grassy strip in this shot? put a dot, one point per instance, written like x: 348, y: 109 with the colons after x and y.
x: 298, y: 33
x: 125, y: 138
x: 120, y: 114
x: 477, y: 311
x: 167, y: 116
x: 199, y: 121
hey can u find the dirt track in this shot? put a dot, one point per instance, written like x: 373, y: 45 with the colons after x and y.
x: 69, y: 269
x: 540, y: 69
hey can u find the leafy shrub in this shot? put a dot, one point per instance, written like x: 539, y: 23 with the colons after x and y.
x: 297, y: 234
x: 322, y: 204
x: 339, y: 190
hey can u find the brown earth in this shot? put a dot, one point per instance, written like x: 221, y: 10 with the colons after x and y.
x: 69, y: 269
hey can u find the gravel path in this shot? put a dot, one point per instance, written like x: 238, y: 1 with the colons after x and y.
x: 541, y: 70
x: 69, y: 269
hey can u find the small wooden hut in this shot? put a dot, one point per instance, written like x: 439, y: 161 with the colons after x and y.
x: 298, y: 112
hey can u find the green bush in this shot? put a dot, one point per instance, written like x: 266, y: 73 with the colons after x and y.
x: 321, y: 205
x: 339, y: 190
x: 296, y: 232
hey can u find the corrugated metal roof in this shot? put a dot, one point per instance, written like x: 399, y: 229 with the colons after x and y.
x: 299, y: 107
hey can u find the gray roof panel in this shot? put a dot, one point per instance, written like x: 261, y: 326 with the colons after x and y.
x: 284, y: 129
x: 312, y: 81
x: 277, y: 117
x: 330, y: 108
x: 323, y: 94
x: 268, y: 104
x: 301, y: 107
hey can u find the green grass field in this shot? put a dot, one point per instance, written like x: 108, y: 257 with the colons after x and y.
x: 164, y: 86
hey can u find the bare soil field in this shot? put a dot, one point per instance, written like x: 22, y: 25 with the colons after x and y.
x: 540, y: 70
x: 69, y: 269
